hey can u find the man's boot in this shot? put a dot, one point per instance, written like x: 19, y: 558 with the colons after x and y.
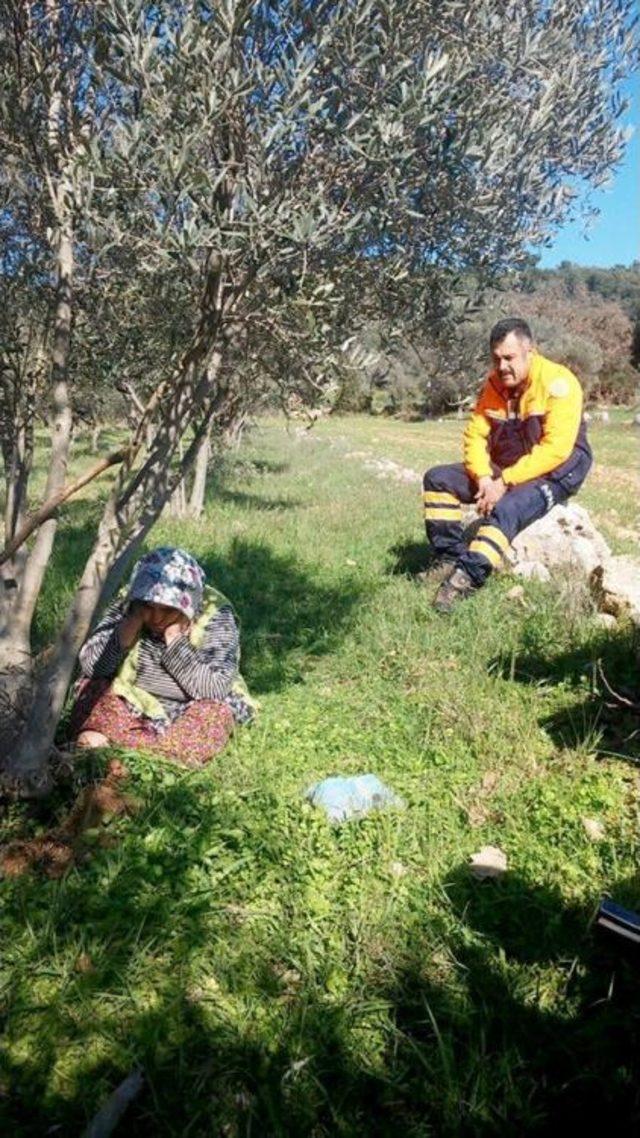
x: 456, y: 587
x: 436, y: 571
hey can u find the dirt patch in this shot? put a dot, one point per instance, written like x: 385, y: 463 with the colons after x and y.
x: 479, y: 809
x: 387, y: 468
x: 612, y: 476
x: 612, y: 518
x: 56, y: 852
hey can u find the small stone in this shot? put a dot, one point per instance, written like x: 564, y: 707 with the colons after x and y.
x: 290, y: 978
x: 516, y: 593
x: 593, y: 829
x: 606, y: 620
x: 398, y: 869
x: 615, y: 586
x: 490, y: 861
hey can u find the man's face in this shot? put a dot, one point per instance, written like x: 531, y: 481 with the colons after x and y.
x: 511, y: 360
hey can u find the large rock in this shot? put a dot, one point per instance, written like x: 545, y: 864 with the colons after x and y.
x: 531, y: 570
x: 565, y: 536
x: 615, y: 586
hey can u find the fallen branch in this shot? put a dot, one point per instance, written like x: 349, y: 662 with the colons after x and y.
x: 49, y: 507
x: 619, y: 700
x: 105, y: 1121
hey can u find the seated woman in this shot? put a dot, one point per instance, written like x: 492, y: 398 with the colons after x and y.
x: 160, y: 672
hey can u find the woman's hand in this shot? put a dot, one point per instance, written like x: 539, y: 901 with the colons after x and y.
x: 131, y: 624
x: 161, y: 621
x: 179, y: 627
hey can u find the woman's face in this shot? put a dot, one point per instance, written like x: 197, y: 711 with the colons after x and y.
x: 159, y: 617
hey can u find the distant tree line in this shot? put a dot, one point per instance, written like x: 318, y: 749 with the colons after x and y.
x: 587, y: 318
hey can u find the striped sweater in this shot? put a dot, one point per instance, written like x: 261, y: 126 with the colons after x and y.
x: 176, y: 673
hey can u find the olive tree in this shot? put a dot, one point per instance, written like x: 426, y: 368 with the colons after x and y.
x: 201, y: 199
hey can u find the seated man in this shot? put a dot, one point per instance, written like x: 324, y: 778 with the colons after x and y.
x: 525, y: 450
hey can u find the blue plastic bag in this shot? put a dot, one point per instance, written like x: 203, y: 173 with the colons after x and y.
x: 343, y: 799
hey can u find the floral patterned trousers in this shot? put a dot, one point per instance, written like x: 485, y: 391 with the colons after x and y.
x: 192, y: 739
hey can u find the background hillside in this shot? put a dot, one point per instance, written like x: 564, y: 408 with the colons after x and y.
x: 588, y: 318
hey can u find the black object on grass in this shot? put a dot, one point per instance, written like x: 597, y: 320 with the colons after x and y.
x: 621, y: 922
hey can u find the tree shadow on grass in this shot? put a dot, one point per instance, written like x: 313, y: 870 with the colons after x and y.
x: 287, y: 615
x: 198, y: 1031
x: 539, y: 1029
x: 584, y: 1058
x: 477, y: 1050
x: 231, y: 466
x: 107, y: 439
x: 268, y: 466
x: 231, y: 461
x: 408, y: 558
x: 256, y: 501
x: 596, y: 720
x: 504, y: 1014
x: 250, y: 471
x: 123, y: 909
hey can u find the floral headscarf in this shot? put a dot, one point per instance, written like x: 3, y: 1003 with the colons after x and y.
x: 168, y: 576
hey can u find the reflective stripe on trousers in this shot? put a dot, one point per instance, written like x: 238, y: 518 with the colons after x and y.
x: 447, y: 488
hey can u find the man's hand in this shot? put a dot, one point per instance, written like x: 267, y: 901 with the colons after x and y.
x: 490, y: 491
x: 179, y: 627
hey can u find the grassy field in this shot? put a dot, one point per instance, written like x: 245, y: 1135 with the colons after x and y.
x: 275, y: 976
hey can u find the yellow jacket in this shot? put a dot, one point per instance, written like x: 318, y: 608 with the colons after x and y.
x: 527, y: 436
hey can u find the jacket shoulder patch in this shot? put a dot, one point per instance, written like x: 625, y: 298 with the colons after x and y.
x: 559, y: 387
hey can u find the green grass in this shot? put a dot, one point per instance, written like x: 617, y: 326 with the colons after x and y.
x: 275, y: 976
x: 611, y: 492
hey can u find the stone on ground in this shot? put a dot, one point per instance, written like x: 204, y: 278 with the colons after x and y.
x: 615, y: 585
x: 565, y: 536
